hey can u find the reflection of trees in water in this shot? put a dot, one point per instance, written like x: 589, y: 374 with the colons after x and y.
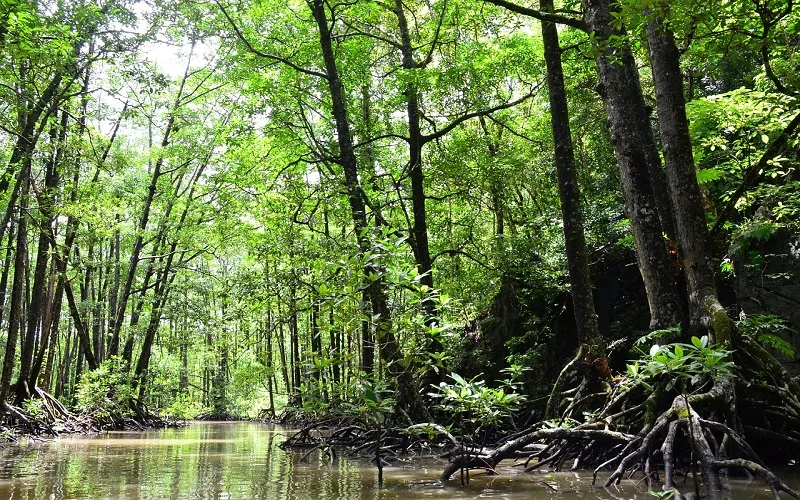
x: 239, y: 461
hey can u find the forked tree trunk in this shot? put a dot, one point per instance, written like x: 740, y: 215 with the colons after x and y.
x: 632, y: 137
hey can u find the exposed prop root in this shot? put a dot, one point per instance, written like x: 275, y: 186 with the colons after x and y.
x: 555, y: 395
x: 774, y: 483
x: 356, y: 438
x: 663, y: 439
x: 53, y: 419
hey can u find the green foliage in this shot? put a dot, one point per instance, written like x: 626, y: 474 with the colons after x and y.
x: 107, y: 391
x: 664, y: 495
x: 769, y: 330
x: 751, y: 232
x: 696, y: 363
x: 34, y: 407
x: 373, y: 402
x: 730, y: 132
x: 472, y: 402
x: 251, y: 205
x: 664, y: 336
x: 183, y: 407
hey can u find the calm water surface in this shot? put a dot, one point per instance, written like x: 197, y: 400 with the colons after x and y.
x: 242, y: 461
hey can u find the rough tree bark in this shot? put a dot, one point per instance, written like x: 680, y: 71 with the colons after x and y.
x: 632, y: 138
x: 692, y: 231
x: 568, y: 190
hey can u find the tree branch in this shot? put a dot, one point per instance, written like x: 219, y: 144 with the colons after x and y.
x: 540, y: 15
x: 461, y: 119
x: 265, y: 55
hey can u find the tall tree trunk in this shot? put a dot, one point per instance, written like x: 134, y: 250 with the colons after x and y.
x: 15, y: 314
x: 416, y: 142
x: 40, y: 317
x: 676, y: 142
x: 407, y: 396
x: 113, y: 294
x: 631, y: 136
x: 7, y: 270
x: 122, y: 302
x: 37, y: 298
x: 568, y: 190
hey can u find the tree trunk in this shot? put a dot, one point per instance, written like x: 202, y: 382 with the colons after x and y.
x: 676, y: 142
x: 270, y: 370
x: 387, y: 343
x: 568, y: 190
x: 40, y: 317
x: 81, y: 328
x: 15, y: 314
x: 294, y: 341
x: 416, y: 142
x: 6, y: 270
x: 632, y: 137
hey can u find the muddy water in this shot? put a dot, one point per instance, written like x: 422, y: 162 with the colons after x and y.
x: 242, y: 461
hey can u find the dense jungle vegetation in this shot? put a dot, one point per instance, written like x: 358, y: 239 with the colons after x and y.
x: 403, y: 219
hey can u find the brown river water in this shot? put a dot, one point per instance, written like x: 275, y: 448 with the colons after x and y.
x: 241, y: 460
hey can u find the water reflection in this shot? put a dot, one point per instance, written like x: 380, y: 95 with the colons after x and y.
x: 242, y: 461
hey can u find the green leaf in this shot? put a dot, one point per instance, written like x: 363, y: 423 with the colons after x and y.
x: 705, y: 175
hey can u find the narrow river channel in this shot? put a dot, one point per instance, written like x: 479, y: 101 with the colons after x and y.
x: 209, y: 460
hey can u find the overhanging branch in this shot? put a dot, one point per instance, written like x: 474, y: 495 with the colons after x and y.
x: 540, y: 15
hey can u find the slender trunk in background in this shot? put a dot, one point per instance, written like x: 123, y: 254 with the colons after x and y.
x: 66, y: 362
x: 113, y: 294
x: 6, y: 270
x: 15, y: 314
x: 81, y: 328
x: 334, y: 341
x: 270, y: 368
x: 407, y: 396
x: 294, y: 341
x: 287, y: 384
x: 568, y: 190
x: 316, y: 333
